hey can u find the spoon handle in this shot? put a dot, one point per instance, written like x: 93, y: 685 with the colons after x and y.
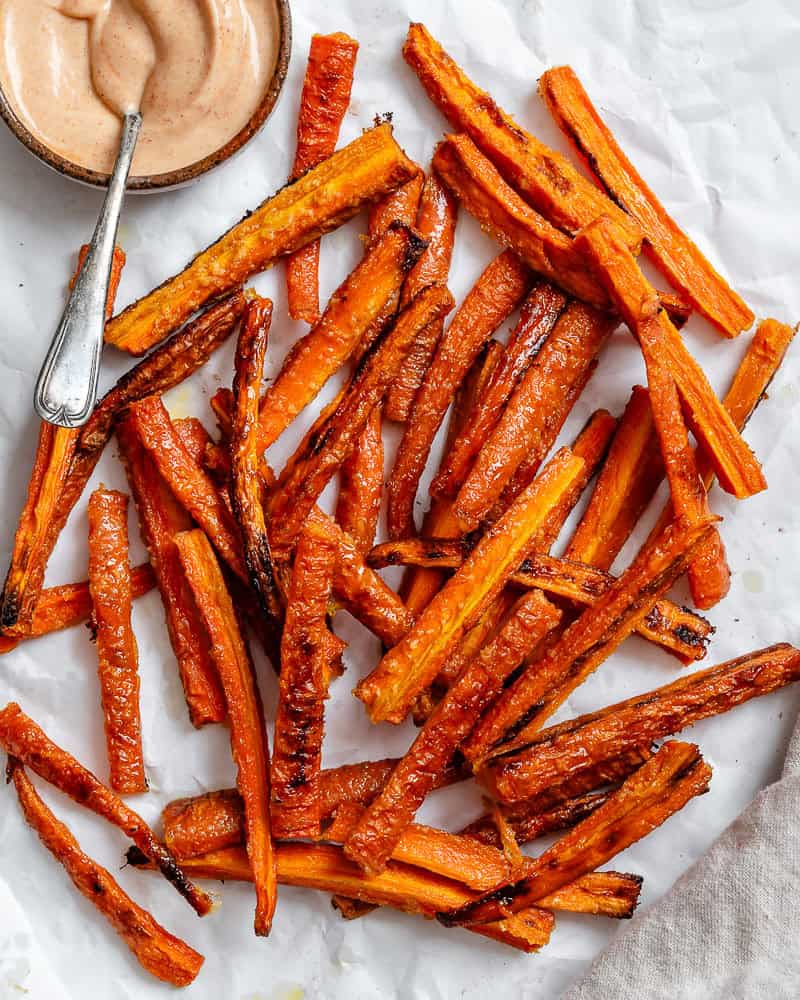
x: 67, y: 385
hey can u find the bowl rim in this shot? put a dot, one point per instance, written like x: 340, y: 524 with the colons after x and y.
x: 181, y: 175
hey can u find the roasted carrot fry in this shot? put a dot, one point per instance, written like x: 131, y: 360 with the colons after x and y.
x: 361, y: 485
x: 117, y: 653
x: 492, y: 299
x: 21, y: 737
x: 249, y: 745
x: 322, y: 199
x: 364, y: 301
x: 601, y: 894
x: 590, y: 640
x: 118, y: 260
x: 327, y: 445
x: 545, y: 178
x: 480, y: 189
x: 560, y: 752
x: 665, y: 242
x: 536, y: 411
x: 159, y: 952
x: 436, y: 224
x: 658, y: 789
x: 194, y: 436
x: 246, y: 482
x: 323, y: 103
x: 377, y: 834
x: 734, y: 464
x: 526, y: 824
x: 539, y: 313
x: 297, y: 745
x: 411, y: 666
x: 161, y: 517
x: 626, y: 485
x: 399, y: 206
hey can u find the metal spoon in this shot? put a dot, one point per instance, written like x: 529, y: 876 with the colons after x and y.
x: 67, y: 385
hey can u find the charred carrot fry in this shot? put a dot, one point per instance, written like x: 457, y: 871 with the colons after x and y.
x: 377, y: 833
x: 545, y: 178
x: 665, y: 242
x: 325, y: 448
x: 366, y: 298
x: 294, y: 777
x: 588, y: 642
x: 361, y: 485
x: 536, y: 411
x: 322, y: 199
x: 734, y: 464
x: 117, y: 653
x: 323, y: 103
x: 539, y: 313
x: 526, y: 824
x: 186, y: 479
x: 21, y: 737
x: 249, y: 745
x: 658, y: 789
x: 501, y: 212
x: 408, y: 668
x: 558, y: 753
x: 436, y: 224
x: 492, y: 299
x: 400, y: 205
x: 164, y: 956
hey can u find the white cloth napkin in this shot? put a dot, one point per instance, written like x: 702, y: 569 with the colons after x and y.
x: 729, y: 929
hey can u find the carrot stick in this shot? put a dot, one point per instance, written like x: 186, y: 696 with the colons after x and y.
x: 495, y: 295
x: 194, y: 436
x: 560, y: 752
x: 658, y: 789
x: 536, y: 411
x: 164, y: 956
x: 665, y: 242
x: 21, y: 737
x: 323, y: 103
x: 436, y: 224
x: 529, y: 824
x: 358, y: 505
x: 118, y: 260
x: 400, y: 205
x: 249, y: 745
x: 411, y: 665
x: 117, y: 653
x: 545, y: 178
x: 294, y: 777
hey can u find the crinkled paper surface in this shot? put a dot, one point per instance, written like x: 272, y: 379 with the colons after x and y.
x: 703, y: 95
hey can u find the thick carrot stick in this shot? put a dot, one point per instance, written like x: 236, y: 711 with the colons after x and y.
x: 358, y: 505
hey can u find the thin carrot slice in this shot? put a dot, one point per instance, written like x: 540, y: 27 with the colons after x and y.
x: 734, y: 464
x: 492, y: 299
x: 322, y: 199
x: 588, y: 642
x: 164, y: 956
x: 190, y: 484
x: 436, y: 224
x: 536, y: 411
x: 480, y: 189
x: 665, y: 242
x: 544, y: 177
x: 161, y: 517
x: 358, y: 505
x: 400, y: 205
x: 21, y: 737
x: 246, y: 482
x: 364, y: 301
x: 297, y: 745
x: 323, y: 103
x: 411, y: 665
x: 378, y: 832
x: 560, y: 752
x: 537, y: 318
x: 658, y: 789
x: 117, y: 653
x: 330, y: 441
x: 249, y: 745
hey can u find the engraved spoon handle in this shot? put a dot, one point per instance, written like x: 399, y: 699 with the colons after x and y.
x: 67, y: 385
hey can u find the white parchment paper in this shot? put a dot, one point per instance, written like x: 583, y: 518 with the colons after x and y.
x: 702, y: 94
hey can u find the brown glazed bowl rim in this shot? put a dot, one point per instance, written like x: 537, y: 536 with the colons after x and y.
x: 183, y: 175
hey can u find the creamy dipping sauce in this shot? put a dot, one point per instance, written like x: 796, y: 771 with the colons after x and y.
x: 197, y: 70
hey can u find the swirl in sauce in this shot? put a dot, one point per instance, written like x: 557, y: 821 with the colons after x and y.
x: 197, y: 70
